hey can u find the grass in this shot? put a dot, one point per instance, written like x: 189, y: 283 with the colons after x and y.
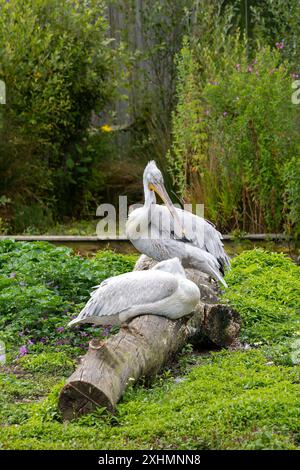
x: 42, y: 287
x: 231, y: 400
x: 248, y: 399
x: 265, y: 290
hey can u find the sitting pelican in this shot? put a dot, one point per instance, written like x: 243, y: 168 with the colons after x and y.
x: 163, y: 290
x: 152, y: 229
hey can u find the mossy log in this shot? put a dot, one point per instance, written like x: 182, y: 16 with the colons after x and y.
x: 141, y: 349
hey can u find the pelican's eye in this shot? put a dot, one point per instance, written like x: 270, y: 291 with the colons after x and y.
x: 151, y: 187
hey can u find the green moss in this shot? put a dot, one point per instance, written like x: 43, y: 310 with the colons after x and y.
x: 20, y: 391
x: 47, y: 362
x: 224, y: 400
x: 232, y: 400
x: 42, y: 287
x: 264, y: 288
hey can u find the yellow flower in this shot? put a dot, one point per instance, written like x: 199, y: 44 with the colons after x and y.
x: 106, y: 128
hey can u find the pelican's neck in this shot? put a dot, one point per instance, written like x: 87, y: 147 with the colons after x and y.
x: 149, y: 196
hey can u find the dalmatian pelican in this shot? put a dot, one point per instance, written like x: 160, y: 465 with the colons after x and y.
x: 163, y: 290
x: 163, y: 232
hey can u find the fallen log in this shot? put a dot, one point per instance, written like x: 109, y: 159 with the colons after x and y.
x: 141, y: 349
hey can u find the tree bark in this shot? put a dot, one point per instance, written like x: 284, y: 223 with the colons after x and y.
x: 141, y: 349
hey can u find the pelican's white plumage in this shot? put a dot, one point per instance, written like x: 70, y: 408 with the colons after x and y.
x: 163, y: 290
x: 201, y: 246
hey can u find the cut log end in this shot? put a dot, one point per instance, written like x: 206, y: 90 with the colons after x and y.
x: 221, y: 325
x: 78, y: 398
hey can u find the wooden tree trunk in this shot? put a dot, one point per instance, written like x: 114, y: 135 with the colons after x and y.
x: 141, y: 349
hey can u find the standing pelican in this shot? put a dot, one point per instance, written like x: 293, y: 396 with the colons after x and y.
x: 152, y: 229
x: 162, y: 290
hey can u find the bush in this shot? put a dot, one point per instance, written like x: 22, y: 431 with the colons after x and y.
x: 235, y: 138
x: 56, y: 63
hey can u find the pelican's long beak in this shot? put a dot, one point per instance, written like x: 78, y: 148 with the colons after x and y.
x: 162, y: 193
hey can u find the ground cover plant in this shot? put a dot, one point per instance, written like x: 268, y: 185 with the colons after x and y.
x: 243, y: 399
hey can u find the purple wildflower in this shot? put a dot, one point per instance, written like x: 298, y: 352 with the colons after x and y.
x: 43, y: 340
x: 295, y: 75
x: 249, y: 68
x: 238, y: 67
x: 61, y: 342
x: 106, y: 330
x: 30, y: 342
x: 279, y: 45
x: 60, y: 329
x: 225, y: 114
x: 13, y: 275
x: 23, y: 351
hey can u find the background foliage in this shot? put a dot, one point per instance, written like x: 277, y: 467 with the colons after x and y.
x: 234, y: 153
x: 56, y: 61
x: 235, y: 143
x: 204, y: 87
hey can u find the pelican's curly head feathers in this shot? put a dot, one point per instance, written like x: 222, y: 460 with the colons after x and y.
x: 152, y: 174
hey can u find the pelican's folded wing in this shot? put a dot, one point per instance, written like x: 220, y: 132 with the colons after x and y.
x: 202, y: 234
x: 119, y: 293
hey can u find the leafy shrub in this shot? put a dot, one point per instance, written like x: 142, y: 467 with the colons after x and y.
x: 235, y: 138
x: 292, y: 195
x: 57, y: 65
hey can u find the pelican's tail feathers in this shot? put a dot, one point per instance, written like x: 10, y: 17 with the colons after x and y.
x: 216, y: 274
x: 88, y: 313
x: 75, y: 321
x: 220, y: 278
